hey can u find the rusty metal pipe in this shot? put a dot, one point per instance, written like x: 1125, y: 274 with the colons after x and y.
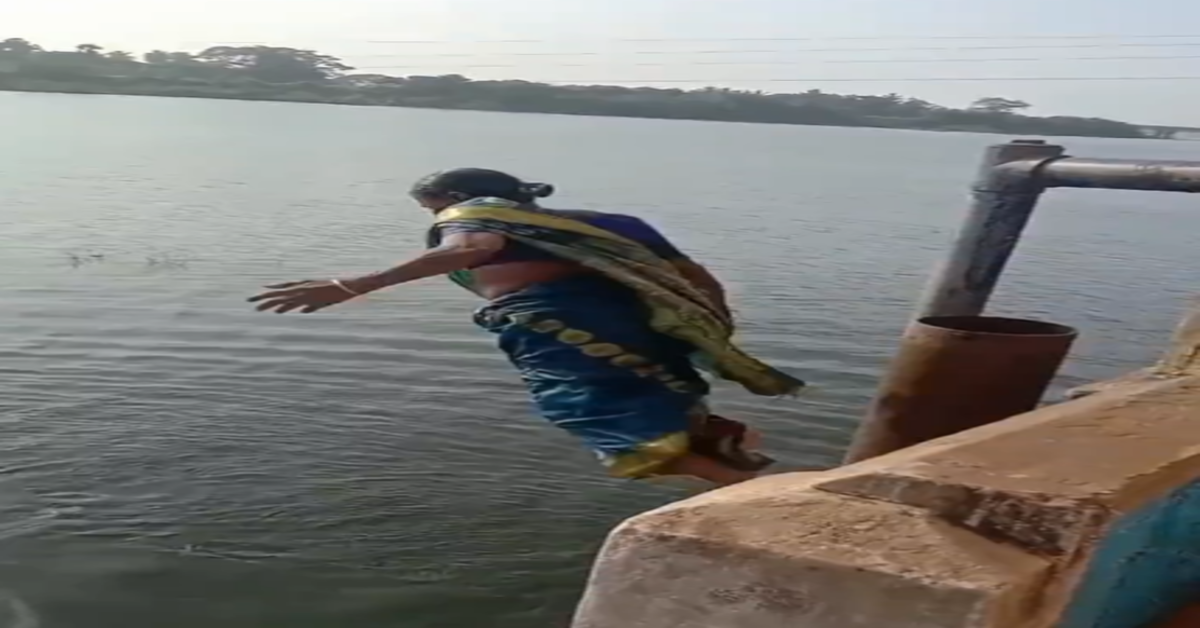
x: 954, y: 373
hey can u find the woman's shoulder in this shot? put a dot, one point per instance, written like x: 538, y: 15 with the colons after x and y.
x: 594, y: 216
x: 571, y: 213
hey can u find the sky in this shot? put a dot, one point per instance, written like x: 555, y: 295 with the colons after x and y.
x: 922, y: 48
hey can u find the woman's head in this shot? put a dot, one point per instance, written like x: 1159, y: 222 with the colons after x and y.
x: 448, y: 187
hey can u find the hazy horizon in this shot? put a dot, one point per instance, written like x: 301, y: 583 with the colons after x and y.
x: 851, y: 46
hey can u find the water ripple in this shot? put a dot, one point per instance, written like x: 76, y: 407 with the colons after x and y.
x: 172, y: 458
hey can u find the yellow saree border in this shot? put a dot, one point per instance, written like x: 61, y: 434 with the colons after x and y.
x: 677, y: 308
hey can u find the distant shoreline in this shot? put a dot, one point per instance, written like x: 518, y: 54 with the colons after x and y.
x: 985, y: 131
x: 278, y: 74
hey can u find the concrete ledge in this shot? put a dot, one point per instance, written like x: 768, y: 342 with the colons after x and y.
x: 1129, y: 379
x: 992, y: 528
x: 777, y: 552
x: 1046, y: 479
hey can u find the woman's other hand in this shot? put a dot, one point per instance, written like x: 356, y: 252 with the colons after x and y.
x: 305, y: 296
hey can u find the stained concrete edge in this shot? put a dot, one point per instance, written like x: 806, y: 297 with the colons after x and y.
x: 985, y: 529
x: 1129, y: 379
x: 1048, y: 479
x: 776, y: 553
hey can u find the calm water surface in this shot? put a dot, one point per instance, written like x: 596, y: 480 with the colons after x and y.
x: 170, y: 458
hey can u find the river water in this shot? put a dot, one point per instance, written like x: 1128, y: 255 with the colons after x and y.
x: 171, y: 458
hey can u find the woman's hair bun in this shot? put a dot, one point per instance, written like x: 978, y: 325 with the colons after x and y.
x: 539, y: 190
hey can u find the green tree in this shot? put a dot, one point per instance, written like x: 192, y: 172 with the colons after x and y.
x: 996, y: 104
x: 182, y: 58
x: 120, y: 55
x: 18, y: 46
x: 275, y: 65
x: 370, y: 80
x: 178, y: 66
x: 89, y: 49
x: 157, y: 57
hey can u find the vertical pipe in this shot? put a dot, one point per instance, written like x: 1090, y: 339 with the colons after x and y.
x: 955, y: 373
x: 1003, y: 200
x: 1002, y: 203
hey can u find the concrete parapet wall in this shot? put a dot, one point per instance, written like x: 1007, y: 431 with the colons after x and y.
x: 1080, y: 515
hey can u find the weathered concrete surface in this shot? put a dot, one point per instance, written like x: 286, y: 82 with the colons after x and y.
x: 776, y: 552
x: 991, y: 528
x: 1068, y: 464
x: 1129, y: 379
x: 1184, y: 355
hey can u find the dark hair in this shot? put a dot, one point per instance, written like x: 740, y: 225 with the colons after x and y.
x: 464, y: 184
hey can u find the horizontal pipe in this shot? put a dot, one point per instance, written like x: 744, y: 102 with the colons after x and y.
x: 1109, y: 174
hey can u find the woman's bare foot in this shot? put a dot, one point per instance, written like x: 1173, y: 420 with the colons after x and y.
x: 730, y: 443
x: 707, y: 469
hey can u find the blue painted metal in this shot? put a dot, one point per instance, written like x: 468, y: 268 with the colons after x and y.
x: 1145, y: 568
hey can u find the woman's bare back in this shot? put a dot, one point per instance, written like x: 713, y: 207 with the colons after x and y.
x: 496, y: 280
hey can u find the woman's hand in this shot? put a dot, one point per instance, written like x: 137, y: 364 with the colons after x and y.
x: 459, y: 251
x: 305, y: 296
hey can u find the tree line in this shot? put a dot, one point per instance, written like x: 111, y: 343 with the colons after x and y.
x: 296, y: 75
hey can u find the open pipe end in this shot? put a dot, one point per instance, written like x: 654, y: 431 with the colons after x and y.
x: 998, y: 326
